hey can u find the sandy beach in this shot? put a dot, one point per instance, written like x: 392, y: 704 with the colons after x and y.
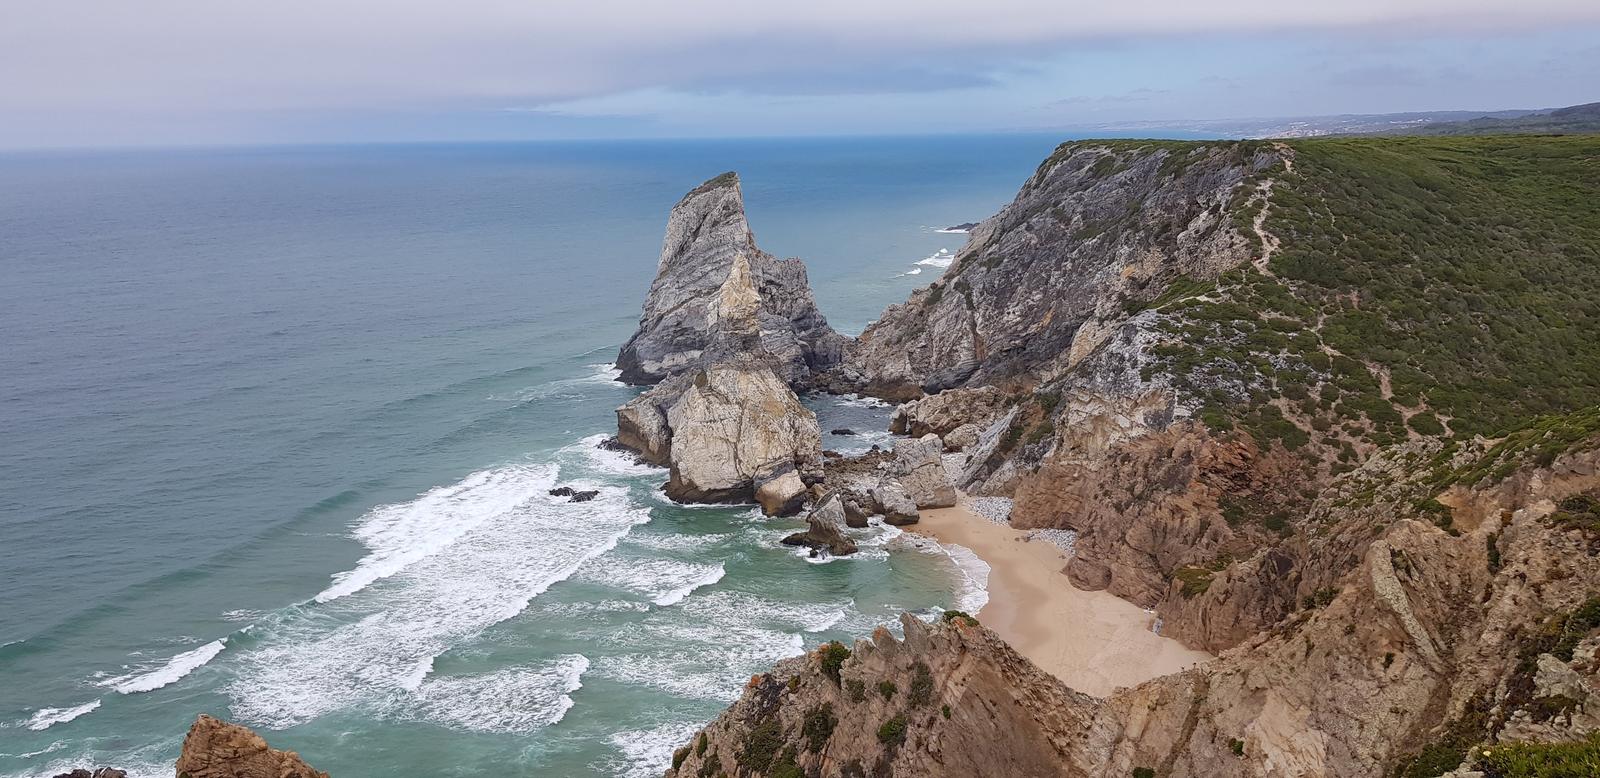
x: 1094, y: 641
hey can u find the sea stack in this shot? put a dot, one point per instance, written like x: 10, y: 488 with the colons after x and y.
x: 706, y: 232
x: 726, y: 334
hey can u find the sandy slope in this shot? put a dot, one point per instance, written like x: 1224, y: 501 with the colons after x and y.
x: 1093, y: 641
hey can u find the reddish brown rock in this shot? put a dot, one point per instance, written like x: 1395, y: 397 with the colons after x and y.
x: 217, y: 749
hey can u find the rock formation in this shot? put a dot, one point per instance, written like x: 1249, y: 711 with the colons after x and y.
x: 1042, y: 283
x: 217, y: 749
x: 730, y: 423
x: 685, y: 310
x: 919, y: 469
x: 1414, y: 646
x: 825, y: 528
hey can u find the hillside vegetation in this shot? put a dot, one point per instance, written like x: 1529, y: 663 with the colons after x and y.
x: 1406, y: 286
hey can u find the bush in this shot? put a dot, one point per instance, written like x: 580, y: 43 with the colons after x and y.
x: 893, y: 731
x: 921, y: 686
x: 1143, y: 772
x: 761, y: 746
x: 950, y: 616
x: 1236, y: 746
x: 887, y: 688
x: 818, y: 726
x: 833, y: 655
x: 857, y: 689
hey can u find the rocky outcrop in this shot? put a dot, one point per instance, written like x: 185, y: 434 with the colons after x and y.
x: 687, y: 311
x: 951, y: 699
x: 1101, y: 226
x: 103, y: 772
x: 890, y: 499
x: 825, y: 528
x: 919, y: 469
x: 946, y: 412
x: 779, y: 489
x: 731, y: 422
x: 1417, y: 645
x: 217, y: 749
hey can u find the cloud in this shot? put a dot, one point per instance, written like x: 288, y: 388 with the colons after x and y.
x: 187, y: 57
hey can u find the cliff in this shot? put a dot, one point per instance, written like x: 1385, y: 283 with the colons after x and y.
x: 1418, y: 645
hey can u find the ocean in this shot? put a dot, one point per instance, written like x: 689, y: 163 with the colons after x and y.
x: 277, y: 427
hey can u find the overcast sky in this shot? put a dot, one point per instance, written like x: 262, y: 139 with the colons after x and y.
x: 176, y: 72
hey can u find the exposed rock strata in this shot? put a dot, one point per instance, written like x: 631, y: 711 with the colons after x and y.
x: 919, y: 469
x: 731, y: 422
x: 1042, y: 283
x: 1423, y: 639
x: 825, y: 528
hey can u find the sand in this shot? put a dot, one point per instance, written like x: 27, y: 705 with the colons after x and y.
x: 1094, y: 641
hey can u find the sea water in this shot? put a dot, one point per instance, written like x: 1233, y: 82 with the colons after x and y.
x: 278, y: 426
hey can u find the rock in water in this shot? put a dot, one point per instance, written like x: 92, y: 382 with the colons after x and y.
x: 217, y: 749
x: 731, y: 421
x: 779, y: 488
x: 825, y: 528
x: 104, y: 772
x: 685, y: 311
x: 919, y: 467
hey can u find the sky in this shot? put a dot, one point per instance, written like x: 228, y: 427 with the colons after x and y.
x: 201, y: 72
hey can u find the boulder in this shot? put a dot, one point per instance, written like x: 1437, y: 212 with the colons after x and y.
x: 854, y: 516
x: 104, y: 772
x: 944, y: 412
x: 824, y: 528
x: 842, y: 431
x: 919, y: 467
x: 962, y: 438
x: 896, y: 506
x: 217, y: 749
x: 585, y: 495
x: 732, y: 420
x: 684, y: 318
x: 779, y: 489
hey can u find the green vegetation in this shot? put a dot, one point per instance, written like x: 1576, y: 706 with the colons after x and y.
x: 921, y: 692
x: 893, y: 731
x: 1236, y: 746
x: 761, y: 746
x: 950, y: 616
x: 1143, y: 772
x: 1580, y: 511
x: 887, y: 688
x: 700, y: 745
x: 1539, y: 442
x: 857, y: 689
x: 1541, y: 760
x: 833, y: 656
x: 1196, y: 580
x: 818, y: 726
x: 1462, y: 272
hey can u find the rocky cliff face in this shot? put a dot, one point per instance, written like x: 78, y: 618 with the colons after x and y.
x: 1416, y: 645
x: 685, y: 312
x: 217, y: 749
x: 1101, y: 226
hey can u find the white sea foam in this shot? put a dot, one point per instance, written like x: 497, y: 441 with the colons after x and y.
x: 912, y: 272
x: 647, y: 753
x: 403, y: 534
x: 972, y: 590
x: 171, y: 672
x: 367, y: 648
x: 514, y: 700
x: 862, y: 401
x: 607, y: 461
x: 662, y: 581
x: 952, y: 231
x: 45, y: 718
x: 677, y: 541
x: 940, y: 258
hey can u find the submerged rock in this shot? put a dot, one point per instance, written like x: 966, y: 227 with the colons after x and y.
x: 104, y: 772
x: 683, y: 318
x: 217, y: 749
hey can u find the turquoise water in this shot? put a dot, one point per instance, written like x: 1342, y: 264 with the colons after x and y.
x: 278, y: 426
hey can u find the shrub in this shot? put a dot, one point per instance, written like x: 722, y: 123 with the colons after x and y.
x: 921, y: 692
x: 1143, y: 772
x: 833, y: 655
x: 817, y: 727
x: 887, y: 688
x: 1236, y: 746
x: 857, y: 689
x: 893, y: 731
x: 700, y: 745
x: 761, y: 746
x: 950, y: 616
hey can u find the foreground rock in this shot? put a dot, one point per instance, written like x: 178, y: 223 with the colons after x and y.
x: 104, y: 772
x: 217, y: 749
x: 707, y: 233
x: 730, y: 423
